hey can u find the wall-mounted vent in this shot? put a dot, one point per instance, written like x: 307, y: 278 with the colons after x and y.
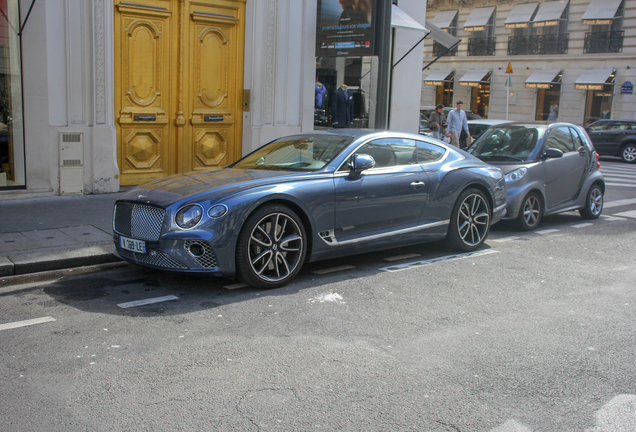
x: 71, y: 163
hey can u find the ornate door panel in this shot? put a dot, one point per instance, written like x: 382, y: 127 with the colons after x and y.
x: 178, y: 82
x: 215, y: 70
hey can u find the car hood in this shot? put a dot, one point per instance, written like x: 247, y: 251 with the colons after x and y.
x: 213, y: 184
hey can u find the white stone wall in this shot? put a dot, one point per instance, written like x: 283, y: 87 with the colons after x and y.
x: 572, y: 64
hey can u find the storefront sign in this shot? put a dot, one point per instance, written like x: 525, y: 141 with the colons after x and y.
x: 598, y: 22
x: 435, y: 83
x: 545, y: 23
x: 588, y: 86
x: 539, y: 85
x: 477, y: 28
x: 516, y: 25
x: 627, y: 88
x: 603, y: 94
x: 346, y: 28
x: 469, y: 83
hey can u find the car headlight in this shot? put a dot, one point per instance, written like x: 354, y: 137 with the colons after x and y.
x: 516, y: 174
x: 217, y: 211
x: 189, y: 216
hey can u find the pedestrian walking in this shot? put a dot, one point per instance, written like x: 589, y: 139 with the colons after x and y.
x: 437, y: 122
x: 456, y: 122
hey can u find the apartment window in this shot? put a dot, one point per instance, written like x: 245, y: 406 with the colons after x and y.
x: 606, y: 20
x: 481, y: 23
x: 447, y: 21
x: 548, y: 34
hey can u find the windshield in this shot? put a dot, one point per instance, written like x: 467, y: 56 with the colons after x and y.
x: 295, y: 153
x: 507, y: 143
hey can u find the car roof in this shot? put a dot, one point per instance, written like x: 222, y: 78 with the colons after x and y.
x: 489, y: 121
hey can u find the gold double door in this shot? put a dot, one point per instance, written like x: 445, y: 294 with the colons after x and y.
x: 178, y: 85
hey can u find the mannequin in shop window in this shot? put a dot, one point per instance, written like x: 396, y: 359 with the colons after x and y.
x: 554, y: 112
x: 341, y: 108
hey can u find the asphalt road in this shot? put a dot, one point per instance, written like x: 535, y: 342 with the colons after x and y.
x: 534, y: 333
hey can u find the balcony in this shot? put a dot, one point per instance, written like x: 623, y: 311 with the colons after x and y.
x: 481, y: 46
x: 439, y: 49
x: 603, y: 42
x: 543, y: 44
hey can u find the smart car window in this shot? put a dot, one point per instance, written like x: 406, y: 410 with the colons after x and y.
x: 577, y: 139
x: 427, y: 152
x: 295, y: 153
x: 501, y: 143
x: 560, y: 139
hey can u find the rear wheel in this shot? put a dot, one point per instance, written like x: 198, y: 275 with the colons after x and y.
x: 593, y: 203
x: 628, y: 153
x: 271, y: 247
x: 531, y: 212
x: 470, y: 221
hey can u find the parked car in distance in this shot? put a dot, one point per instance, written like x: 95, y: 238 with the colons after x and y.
x: 549, y: 169
x: 478, y: 127
x: 614, y: 138
x: 308, y: 197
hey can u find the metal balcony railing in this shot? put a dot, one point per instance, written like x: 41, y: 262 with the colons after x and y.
x: 543, y: 44
x: 604, y: 42
x: 481, y: 46
x: 439, y: 49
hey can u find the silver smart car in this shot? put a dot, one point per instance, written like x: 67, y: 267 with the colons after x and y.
x: 549, y: 169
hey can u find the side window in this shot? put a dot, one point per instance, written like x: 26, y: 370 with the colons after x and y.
x: 389, y: 152
x: 619, y: 126
x: 427, y: 152
x: 578, y: 142
x: 560, y: 139
x: 597, y: 126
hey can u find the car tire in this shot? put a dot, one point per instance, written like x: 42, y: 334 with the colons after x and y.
x: 628, y: 153
x: 470, y: 221
x: 530, y: 212
x: 271, y: 247
x: 593, y: 203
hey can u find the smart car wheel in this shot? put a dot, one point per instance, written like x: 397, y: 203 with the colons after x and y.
x: 531, y: 212
x: 470, y: 221
x: 628, y: 153
x: 593, y: 203
x: 271, y: 247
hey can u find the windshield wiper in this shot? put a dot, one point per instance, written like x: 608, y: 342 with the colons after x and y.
x: 502, y: 157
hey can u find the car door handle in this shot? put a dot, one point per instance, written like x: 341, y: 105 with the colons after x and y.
x: 418, y: 184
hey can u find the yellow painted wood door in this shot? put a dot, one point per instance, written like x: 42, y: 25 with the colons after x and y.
x: 178, y: 85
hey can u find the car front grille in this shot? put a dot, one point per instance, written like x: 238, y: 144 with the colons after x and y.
x: 153, y: 257
x: 139, y: 221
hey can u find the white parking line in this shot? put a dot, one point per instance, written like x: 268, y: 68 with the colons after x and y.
x: 621, y: 185
x: 406, y: 266
x: 505, y: 239
x: 333, y: 269
x: 619, y: 203
x: 548, y: 231
x: 583, y: 225
x: 629, y: 214
x: 401, y: 257
x: 611, y: 218
x: 147, y: 301
x: 25, y: 323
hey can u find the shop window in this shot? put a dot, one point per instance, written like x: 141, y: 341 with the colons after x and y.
x: 598, y: 104
x: 548, y: 101
x: 12, y: 168
x: 480, y: 99
x: 444, y: 94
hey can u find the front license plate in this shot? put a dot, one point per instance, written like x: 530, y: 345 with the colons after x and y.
x: 132, y: 245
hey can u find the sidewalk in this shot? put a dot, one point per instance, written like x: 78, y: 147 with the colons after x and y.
x: 52, y: 233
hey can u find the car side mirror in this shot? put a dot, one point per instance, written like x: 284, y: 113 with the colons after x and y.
x: 552, y: 153
x: 359, y: 163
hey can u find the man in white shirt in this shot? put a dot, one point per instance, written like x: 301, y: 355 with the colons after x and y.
x: 456, y: 122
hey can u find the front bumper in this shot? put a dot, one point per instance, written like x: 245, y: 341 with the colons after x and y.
x: 498, y: 213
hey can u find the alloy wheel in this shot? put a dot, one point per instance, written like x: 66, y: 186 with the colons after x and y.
x: 275, y: 247
x: 629, y: 153
x: 473, y: 219
x: 596, y: 201
x: 531, y: 211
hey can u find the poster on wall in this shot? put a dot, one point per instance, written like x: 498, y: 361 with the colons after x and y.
x: 345, y: 28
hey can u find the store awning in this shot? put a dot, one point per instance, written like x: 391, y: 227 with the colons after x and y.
x: 521, y: 15
x: 439, y: 77
x: 399, y: 18
x: 475, y: 77
x: 444, y: 19
x: 478, y: 19
x: 595, y: 79
x: 543, y: 78
x: 601, y: 12
x: 440, y: 36
x: 549, y: 13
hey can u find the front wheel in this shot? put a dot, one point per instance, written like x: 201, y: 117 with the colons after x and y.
x: 470, y: 221
x: 271, y: 247
x: 593, y: 203
x: 531, y: 211
x: 628, y: 153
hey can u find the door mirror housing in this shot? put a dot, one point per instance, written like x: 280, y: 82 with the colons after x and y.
x: 552, y: 153
x: 359, y: 163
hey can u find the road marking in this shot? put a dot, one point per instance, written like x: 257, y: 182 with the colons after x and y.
x: 505, y: 239
x: 401, y: 257
x: 548, y: 231
x: 629, y: 214
x: 583, y: 225
x: 236, y: 286
x: 406, y: 266
x: 30, y: 322
x: 333, y: 269
x: 147, y: 301
x: 621, y: 185
x: 619, y: 203
x: 612, y: 218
